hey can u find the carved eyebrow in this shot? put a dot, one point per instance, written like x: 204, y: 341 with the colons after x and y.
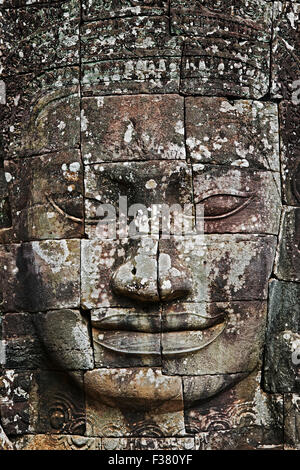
x: 234, y: 193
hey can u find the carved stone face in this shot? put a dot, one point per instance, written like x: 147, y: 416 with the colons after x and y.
x: 149, y: 336
x: 149, y: 317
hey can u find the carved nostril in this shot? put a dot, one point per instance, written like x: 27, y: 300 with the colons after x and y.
x: 137, y: 279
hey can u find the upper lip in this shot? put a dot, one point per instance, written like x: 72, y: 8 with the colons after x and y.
x: 155, y: 323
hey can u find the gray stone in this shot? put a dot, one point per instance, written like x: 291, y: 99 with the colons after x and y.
x: 231, y: 347
x: 281, y: 367
x: 237, y: 199
x: 285, y: 51
x: 45, y: 195
x: 41, y: 275
x: 250, y: 20
x: 223, y: 266
x: 291, y: 421
x: 218, y: 67
x: 39, y: 38
x: 287, y: 263
x: 122, y: 76
x: 241, y: 133
x: 101, y: 9
x: 244, y: 405
x: 41, y: 114
x: 124, y: 128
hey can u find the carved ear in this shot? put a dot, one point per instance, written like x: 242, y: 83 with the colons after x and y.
x: 219, y: 206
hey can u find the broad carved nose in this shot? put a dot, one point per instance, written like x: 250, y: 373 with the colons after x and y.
x: 149, y: 278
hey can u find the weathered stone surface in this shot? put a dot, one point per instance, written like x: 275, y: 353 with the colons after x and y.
x: 155, y: 405
x: 5, y: 210
x: 23, y: 347
x: 61, y: 407
x: 126, y: 348
x: 56, y: 442
x: 285, y: 51
x: 142, y: 318
x: 126, y: 38
x: 41, y: 114
x: 129, y: 128
x: 38, y: 276
x: 281, y: 366
x: 65, y: 337
x: 242, y: 406
x: 113, y: 271
x: 134, y: 388
x: 122, y: 76
x: 45, y: 196
x: 249, y: 20
x: 241, y: 133
x: 218, y: 67
x: 148, y: 443
x: 146, y: 183
x: 289, y: 115
x: 287, y: 265
x: 15, y: 392
x: 238, y: 200
x: 101, y: 9
x: 243, y: 438
x: 223, y: 266
x: 200, y: 388
x: 291, y: 421
x: 5, y: 443
x: 40, y: 38
x: 230, y: 347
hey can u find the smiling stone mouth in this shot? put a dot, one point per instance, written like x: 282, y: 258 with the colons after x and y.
x: 177, y: 333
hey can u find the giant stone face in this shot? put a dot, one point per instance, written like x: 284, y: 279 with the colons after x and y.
x: 158, y: 338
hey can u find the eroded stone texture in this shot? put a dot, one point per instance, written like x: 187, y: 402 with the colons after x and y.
x: 23, y: 347
x: 230, y: 347
x: 155, y: 403
x: 126, y: 38
x: 147, y: 183
x: 285, y: 51
x: 287, y: 265
x: 223, y: 266
x: 15, y: 393
x: 5, y: 210
x: 122, y: 76
x: 40, y: 275
x: 148, y: 443
x: 244, y: 405
x: 124, y: 128
x: 101, y: 9
x: 60, y: 403
x: 65, y: 336
x: 56, y: 442
x: 39, y: 38
x: 237, y: 200
x: 281, y: 367
x: 292, y: 421
x: 45, y: 196
x: 228, y: 19
x: 244, y: 438
x: 289, y: 114
x: 129, y: 266
x: 41, y: 114
x: 241, y: 133
x: 217, y: 67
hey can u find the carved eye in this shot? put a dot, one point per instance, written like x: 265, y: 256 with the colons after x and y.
x: 221, y: 205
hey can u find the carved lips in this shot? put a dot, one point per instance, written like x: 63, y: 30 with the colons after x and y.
x: 177, y: 334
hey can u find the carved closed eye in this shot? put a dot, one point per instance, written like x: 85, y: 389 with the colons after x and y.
x: 221, y: 205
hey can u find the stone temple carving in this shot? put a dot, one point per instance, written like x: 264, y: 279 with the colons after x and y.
x: 149, y: 341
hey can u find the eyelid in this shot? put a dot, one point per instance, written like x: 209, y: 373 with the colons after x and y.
x: 242, y: 194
